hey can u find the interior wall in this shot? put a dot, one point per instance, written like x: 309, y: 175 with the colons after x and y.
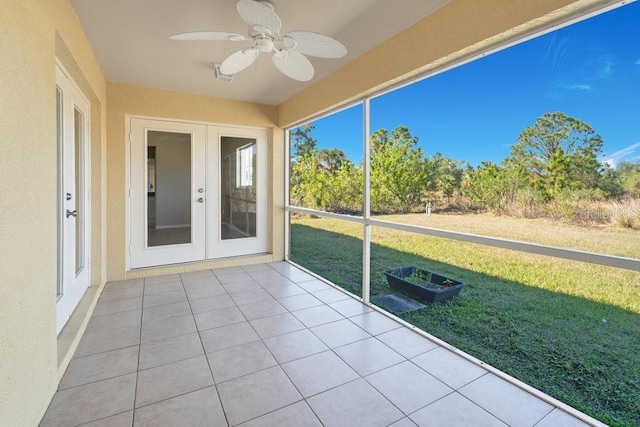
x: 125, y: 101
x: 32, y: 33
x: 457, y: 31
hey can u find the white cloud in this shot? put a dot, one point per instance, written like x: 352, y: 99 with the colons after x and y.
x: 637, y: 62
x: 615, y: 158
x: 580, y: 87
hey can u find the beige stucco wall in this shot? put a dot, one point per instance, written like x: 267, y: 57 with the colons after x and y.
x: 31, y: 34
x: 125, y: 101
x: 457, y: 31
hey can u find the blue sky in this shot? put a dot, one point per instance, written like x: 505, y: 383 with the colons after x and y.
x: 589, y: 71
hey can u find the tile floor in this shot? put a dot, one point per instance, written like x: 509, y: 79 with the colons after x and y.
x: 270, y: 345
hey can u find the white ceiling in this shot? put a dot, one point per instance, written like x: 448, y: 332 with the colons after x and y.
x: 130, y: 38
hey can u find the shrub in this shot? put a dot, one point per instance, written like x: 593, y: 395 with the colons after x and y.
x: 625, y: 214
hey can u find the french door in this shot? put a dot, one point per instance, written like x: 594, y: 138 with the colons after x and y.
x: 197, y: 192
x: 72, y: 116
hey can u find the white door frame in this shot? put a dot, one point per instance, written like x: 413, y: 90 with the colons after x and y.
x: 73, y: 198
x: 206, y: 175
x: 217, y: 247
x: 141, y: 254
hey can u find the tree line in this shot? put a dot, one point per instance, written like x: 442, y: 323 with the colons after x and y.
x: 555, y: 159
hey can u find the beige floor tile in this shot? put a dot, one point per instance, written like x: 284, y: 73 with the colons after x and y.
x: 164, y: 298
x: 558, y: 417
x: 319, y: 372
x: 408, y: 387
x: 123, y: 293
x: 316, y: 316
x: 251, y: 297
x: 350, y: 307
x: 196, y: 274
x: 191, y: 283
x: 123, y: 284
x: 205, y: 292
x: 245, y: 285
x: 162, y: 279
x: 286, y: 291
x: 455, y: 410
x: 275, y: 282
x: 268, y: 327
x: 91, y: 402
x: 101, y: 366
x: 167, y: 381
x: 162, y: 312
x: 217, y: 318
x: 375, y: 323
x: 98, y: 341
x: 240, y: 360
x: 171, y: 327
x: 125, y: 319
x: 296, y: 415
x: 229, y: 276
x: 169, y: 350
x: 368, y: 356
x: 314, y: 285
x: 298, y: 276
x: 406, y: 342
x: 161, y: 288
x: 227, y: 336
x: 342, y: 332
x: 354, y: 404
x: 124, y: 419
x: 505, y: 401
x: 256, y: 394
x: 256, y: 267
x: 299, y: 302
x: 449, y: 368
x: 405, y: 422
x: 117, y: 306
x: 200, y: 408
x: 330, y: 295
x: 211, y: 303
x: 265, y: 275
x: 294, y: 345
x: 262, y: 309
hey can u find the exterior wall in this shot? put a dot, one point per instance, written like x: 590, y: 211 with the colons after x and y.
x: 32, y: 33
x: 125, y: 101
x: 457, y: 31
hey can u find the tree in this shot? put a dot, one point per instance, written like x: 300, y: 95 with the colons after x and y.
x: 557, y: 152
x: 302, y: 142
x: 398, y: 176
x: 629, y: 174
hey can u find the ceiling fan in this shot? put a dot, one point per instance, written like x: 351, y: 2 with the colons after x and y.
x: 287, y: 51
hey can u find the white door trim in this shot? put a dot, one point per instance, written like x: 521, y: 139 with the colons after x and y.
x: 72, y: 282
x: 141, y: 253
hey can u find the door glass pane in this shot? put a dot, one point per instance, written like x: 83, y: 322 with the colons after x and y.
x: 168, y: 188
x: 238, y: 172
x: 60, y: 188
x: 78, y: 124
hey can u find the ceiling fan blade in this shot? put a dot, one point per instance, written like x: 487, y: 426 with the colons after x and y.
x: 209, y: 35
x: 314, y: 44
x: 257, y: 13
x: 238, y: 61
x: 293, y: 64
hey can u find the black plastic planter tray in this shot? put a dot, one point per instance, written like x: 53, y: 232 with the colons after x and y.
x: 396, y: 279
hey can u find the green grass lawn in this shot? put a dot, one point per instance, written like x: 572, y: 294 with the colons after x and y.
x: 569, y: 329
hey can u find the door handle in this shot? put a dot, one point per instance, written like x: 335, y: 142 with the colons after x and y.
x: 72, y: 213
x: 200, y: 200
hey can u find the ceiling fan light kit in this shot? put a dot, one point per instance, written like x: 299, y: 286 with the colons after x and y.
x: 287, y: 51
